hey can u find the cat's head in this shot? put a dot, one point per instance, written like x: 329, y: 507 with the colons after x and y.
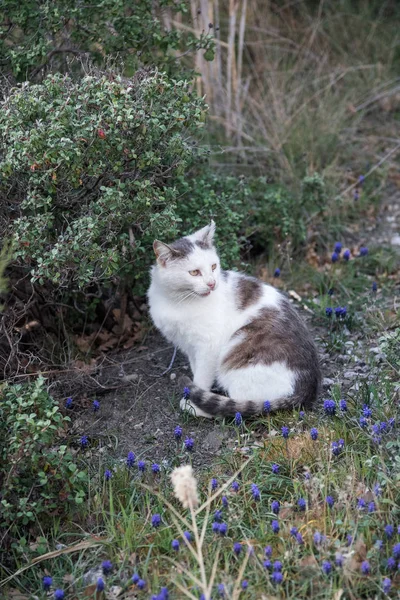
x: 189, y: 266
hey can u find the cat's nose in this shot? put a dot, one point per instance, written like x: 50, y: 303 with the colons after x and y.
x: 211, y: 285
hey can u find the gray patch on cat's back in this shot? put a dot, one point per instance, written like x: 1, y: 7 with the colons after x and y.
x: 279, y: 336
x: 183, y: 247
x: 249, y: 291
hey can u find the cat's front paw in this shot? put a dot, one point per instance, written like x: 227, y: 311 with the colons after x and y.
x: 187, y: 406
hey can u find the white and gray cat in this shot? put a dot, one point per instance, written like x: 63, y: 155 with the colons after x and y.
x: 237, y: 332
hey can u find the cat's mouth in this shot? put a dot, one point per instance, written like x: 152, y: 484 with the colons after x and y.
x: 205, y: 294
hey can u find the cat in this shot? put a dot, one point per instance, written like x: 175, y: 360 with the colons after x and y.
x: 235, y: 330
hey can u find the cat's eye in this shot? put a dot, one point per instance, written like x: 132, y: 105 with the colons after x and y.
x: 214, y: 267
x: 195, y: 273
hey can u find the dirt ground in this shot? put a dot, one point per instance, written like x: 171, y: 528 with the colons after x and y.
x: 139, y: 406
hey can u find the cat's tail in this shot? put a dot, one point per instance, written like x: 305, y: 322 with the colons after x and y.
x: 209, y: 404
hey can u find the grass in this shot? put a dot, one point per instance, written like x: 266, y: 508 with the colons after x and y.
x: 117, y: 518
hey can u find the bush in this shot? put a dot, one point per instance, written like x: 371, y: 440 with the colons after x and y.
x: 59, y: 35
x: 38, y: 477
x: 90, y: 168
x: 248, y: 208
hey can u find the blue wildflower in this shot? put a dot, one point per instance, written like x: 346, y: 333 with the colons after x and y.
x: 221, y: 590
x: 267, y: 564
x: 155, y: 468
x: 96, y: 405
x: 391, y: 564
x: 222, y: 528
x: 328, y: 311
x: 214, y: 484
x: 107, y: 474
x: 275, y: 507
x: 294, y: 531
x: 224, y: 501
x: 389, y: 531
x: 130, y: 459
x: 215, y: 527
x: 277, y: 577
x: 135, y: 578
x: 245, y: 584
x: 327, y: 567
x: 346, y: 254
x: 285, y: 432
x: 47, y: 582
x: 317, y: 538
x: 100, y: 585
x: 343, y: 405
x: 386, y: 585
x: 299, y: 539
x: 361, y: 179
x: 186, y: 393
x: 156, y: 520
x: 218, y: 515
x: 349, y: 539
x: 106, y: 566
x: 238, y: 419
x: 330, y: 407
x: 175, y: 545
x: 235, y: 486
x: 189, y: 443
x: 267, y: 406
x: 374, y: 286
x: 277, y: 272
x: 268, y: 551
x: 59, y: 595
x: 188, y: 535
x: 371, y: 507
x: 396, y: 551
x: 361, y: 503
x: 363, y: 422
x: 275, y: 526
x: 302, y: 414
x: 334, y: 257
x: 237, y: 548
x: 68, y: 403
x: 84, y: 442
x: 336, y: 448
x: 141, y: 584
x: 379, y: 544
x: 338, y: 247
x: 366, y: 411
x: 255, y: 492
x: 363, y: 251
x: 178, y: 432
x: 301, y: 503
x: 314, y: 433
x: 339, y: 560
x: 141, y: 466
x: 277, y: 565
x: 330, y: 501
x: 365, y: 567
x: 275, y: 468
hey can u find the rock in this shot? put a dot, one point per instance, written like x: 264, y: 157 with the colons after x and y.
x: 131, y: 377
x: 350, y: 375
x: 213, y: 441
x: 395, y: 241
x: 172, y: 376
x: 326, y: 382
x: 91, y: 576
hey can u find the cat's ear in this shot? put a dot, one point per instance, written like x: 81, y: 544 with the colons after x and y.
x: 205, y: 236
x: 163, y: 252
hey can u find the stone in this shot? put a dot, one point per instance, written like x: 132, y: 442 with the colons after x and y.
x: 395, y: 241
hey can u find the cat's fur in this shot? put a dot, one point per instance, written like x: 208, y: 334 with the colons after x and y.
x: 242, y: 334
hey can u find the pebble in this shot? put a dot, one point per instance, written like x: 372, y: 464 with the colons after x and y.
x: 172, y: 376
x: 395, y: 241
x: 326, y: 382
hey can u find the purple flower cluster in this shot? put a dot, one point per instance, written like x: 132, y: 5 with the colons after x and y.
x: 330, y: 407
x: 337, y: 447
